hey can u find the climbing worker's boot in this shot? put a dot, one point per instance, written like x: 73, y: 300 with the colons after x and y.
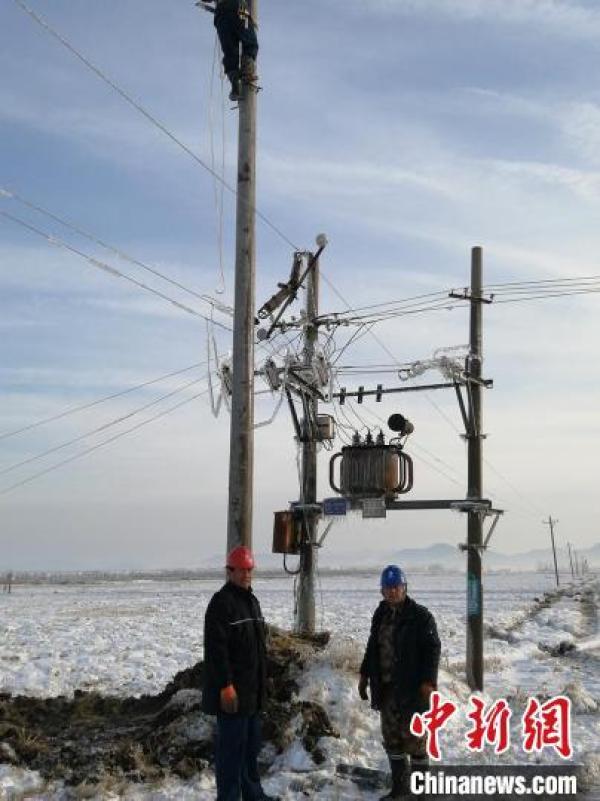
x: 236, y: 87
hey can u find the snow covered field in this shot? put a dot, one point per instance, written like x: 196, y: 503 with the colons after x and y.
x: 131, y: 638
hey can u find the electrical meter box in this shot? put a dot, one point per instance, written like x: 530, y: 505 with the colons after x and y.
x: 326, y: 425
x: 286, y: 533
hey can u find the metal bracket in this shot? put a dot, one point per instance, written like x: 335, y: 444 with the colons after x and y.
x: 482, y: 506
x: 325, y: 533
x: 497, y: 514
x: 294, y: 414
x: 461, y: 404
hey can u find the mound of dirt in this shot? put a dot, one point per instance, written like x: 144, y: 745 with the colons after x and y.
x: 89, y: 739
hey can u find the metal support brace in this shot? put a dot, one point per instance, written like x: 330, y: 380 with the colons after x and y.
x: 463, y: 410
x: 321, y: 539
x: 497, y: 514
x: 294, y: 414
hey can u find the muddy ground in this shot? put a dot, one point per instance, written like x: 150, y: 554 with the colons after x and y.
x: 88, y: 739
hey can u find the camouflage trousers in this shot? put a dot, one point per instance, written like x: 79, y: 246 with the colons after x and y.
x: 395, y: 728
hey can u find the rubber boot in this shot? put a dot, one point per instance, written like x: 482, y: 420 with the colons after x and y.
x: 236, y: 88
x: 400, y: 779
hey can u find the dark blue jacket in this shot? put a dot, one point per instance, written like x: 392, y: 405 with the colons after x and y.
x: 416, y: 654
x: 234, y: 649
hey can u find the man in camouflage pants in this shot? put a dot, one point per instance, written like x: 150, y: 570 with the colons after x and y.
x: 400, y: 665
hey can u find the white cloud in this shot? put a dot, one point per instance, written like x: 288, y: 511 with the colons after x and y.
x: 566, y: 19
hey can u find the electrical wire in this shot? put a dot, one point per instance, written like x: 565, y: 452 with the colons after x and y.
x: 146, y: 114
x: 84, y: 406
x: 102, y: 265
x: 116, y: 251
x: 101, y: 428
x: 93, y: 448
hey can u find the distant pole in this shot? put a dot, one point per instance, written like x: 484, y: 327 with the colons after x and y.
x: 475, y: 482
x: 241, y: 444
x: 305, y: 608
x: 550, y: 522
x: 571, y: 560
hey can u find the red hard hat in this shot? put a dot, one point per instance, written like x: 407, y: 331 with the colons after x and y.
x: 240, y: 557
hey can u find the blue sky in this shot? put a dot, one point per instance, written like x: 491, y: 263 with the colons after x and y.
x: 409, y: 131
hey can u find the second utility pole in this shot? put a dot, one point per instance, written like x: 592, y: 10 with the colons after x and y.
x: 241, y: 444
x: 475, y: 482
x: 305, y: 606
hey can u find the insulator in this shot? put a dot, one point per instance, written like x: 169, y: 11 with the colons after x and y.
x: 272, y: 375
x: 321, y: 370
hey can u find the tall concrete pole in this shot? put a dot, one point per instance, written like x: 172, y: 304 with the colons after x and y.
x: 305, y: 607
x: 475, y: 483
x: 241, y: 450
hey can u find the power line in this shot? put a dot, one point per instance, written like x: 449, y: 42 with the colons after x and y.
x: 102, y: 265
x: 118, y: 252
x: 389, y: 352
x: 84, y: 406
x: 148, y: 116
x: 101, y: 428
x: 93, y: 448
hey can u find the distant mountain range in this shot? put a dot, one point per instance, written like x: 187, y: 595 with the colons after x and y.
x: 440, y: 556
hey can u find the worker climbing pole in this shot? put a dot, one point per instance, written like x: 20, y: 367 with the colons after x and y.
x: 236, y: 27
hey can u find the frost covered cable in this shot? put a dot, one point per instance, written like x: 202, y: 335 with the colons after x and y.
x: 117, y: 251
x: 101, y: 265
x: 549, y: 295
x: 575, y: 279
x: 268, y: 422
x: 84, y: 406
x: 402, y: 301
x: 215, y: 407
x: 101, y: 444
x: 446, y: 305
x: 537, y: 509
x: 99, y: 429
x: 389, y: 353
x: 347, y: 345
x: 278, y: 404
x: 340, y: 426
x: 161, y: 127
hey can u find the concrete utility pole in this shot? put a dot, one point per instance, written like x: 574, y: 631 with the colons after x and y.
x: 305, y: 607
x: 550, y: 522
x: 475, y: 482
x: 241, y: 449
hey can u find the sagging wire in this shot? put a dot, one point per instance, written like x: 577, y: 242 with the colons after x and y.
x: 215, y: 406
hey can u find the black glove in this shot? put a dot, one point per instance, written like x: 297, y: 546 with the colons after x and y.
x: 363, y: 683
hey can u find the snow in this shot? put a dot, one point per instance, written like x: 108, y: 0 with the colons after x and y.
x: 131, y: 638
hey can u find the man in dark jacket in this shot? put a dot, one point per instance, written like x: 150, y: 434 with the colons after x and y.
x: 400, y: 666
x: 235, y: 671
x: 235, y: 27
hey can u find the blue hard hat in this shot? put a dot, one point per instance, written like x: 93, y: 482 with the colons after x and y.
x: 393, y: 576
